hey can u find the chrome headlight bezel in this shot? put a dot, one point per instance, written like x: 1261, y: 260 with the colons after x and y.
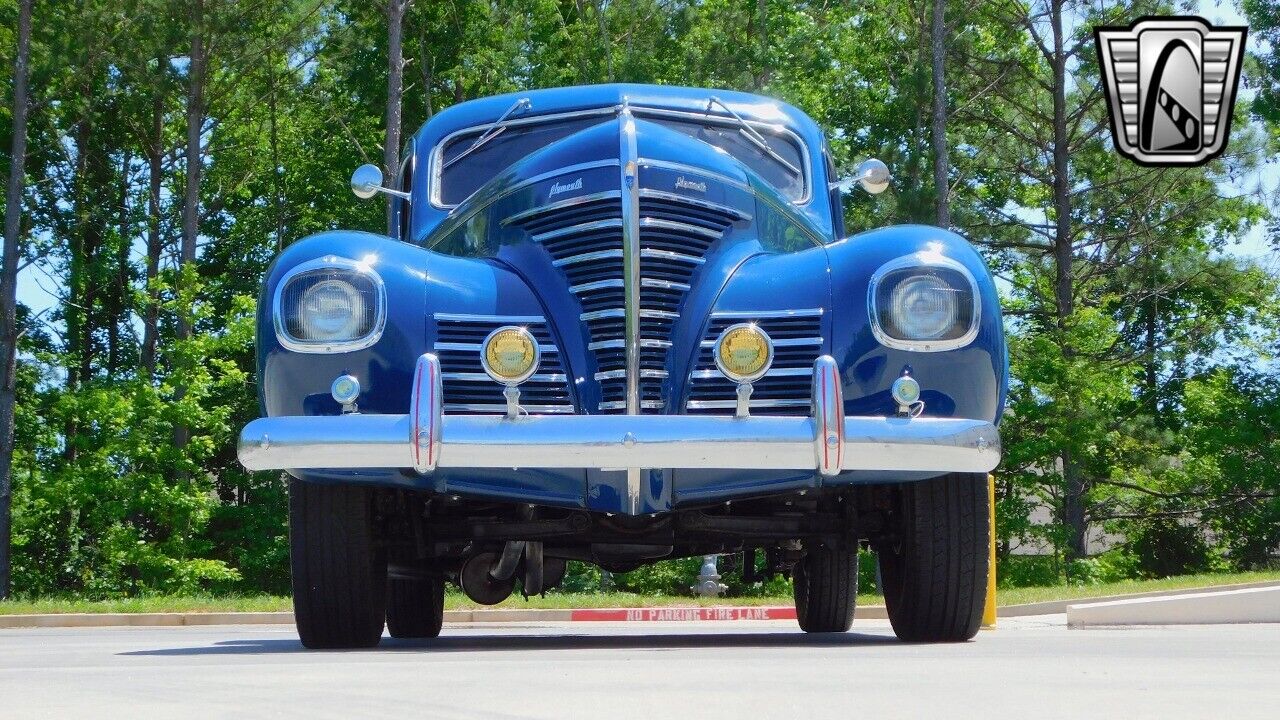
x: 337, y: 267
x: 923, y: 261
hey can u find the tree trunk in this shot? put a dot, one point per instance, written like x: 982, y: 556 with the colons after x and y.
x: 762, y: 19
x: 120, y: 287
x: 941, y: 167
x: 155, y: 179
x: 191, y: 199
x: 395, y: 90
x: 1074, y: 513
x: 9, y: 288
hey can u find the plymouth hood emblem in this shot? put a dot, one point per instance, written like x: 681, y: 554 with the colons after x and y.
x: 683, y: 184
x: 557, y: 188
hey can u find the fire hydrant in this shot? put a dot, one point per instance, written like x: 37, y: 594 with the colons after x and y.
x: 709, y: 584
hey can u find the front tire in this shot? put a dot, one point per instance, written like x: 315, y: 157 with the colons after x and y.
x: 935, y: 573
x: 415, y: 607
x: 826, y: 590
x: 339, y: 573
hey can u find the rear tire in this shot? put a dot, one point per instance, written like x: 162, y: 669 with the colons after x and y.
x: 415, y: 607
x: 935, y: 576
x: 339, y: 573
x: 826, y: 590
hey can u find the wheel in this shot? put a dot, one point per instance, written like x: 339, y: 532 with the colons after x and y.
x: 415, y: 607
x: 935, y: 574
x: 339, y: 574
x: 826, y: 590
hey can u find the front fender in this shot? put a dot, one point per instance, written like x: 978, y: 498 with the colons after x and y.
x: 968, y: 382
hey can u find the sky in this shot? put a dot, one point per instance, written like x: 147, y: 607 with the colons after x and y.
x: 34, y: 287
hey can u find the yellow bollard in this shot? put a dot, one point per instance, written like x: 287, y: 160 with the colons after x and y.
x: 989, y: 611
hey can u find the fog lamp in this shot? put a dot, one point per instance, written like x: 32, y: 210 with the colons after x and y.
x: 345, y: 389
x: 905, y: 390
x: 744, y: 352
x: 510, y: 355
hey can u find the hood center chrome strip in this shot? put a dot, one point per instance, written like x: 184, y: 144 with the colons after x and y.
x: 629, y: 155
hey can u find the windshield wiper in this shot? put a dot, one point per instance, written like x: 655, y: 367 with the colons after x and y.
x: 490, y: 132
x: 754, y: 136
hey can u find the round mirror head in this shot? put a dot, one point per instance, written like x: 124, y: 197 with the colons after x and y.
x: 366, y: 181
x: 873, y: 176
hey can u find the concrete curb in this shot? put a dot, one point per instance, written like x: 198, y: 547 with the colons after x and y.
x: 529, y: 615
x: 1249, y: 605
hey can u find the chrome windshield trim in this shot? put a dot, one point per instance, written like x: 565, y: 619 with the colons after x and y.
x: 560, y: 205
x: 484, y: 377
x: 497, y: 126
x: 655, y: 254
x: 695, y: 202
x: 575, y: 229
x: 437, y: 152
x: 676, y: 226
x: 587, y: 257
x: 508, y: 319
x: 756, y: 138
x: 771, y: 314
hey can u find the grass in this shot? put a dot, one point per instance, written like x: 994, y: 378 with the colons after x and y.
x: 456, y: 601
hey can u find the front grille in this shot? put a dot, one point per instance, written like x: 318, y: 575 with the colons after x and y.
x: 785, y: 389
x: 467, y: 389
x: 584, y: 238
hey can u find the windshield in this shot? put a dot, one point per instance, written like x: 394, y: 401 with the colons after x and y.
x: 460, y: 173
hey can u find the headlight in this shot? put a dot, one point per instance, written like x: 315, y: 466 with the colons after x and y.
x: 330, y: 305
x: 924, y: 302
x: 744, y: 352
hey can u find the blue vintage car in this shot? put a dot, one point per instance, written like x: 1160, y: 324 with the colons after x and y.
x: 620, y: 324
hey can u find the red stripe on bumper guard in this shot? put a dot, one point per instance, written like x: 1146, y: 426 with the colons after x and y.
x: 682, y: 614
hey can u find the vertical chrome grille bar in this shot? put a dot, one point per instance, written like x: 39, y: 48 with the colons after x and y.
x: 628, y: 154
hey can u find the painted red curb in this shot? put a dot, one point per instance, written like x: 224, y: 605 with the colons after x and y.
x: 682, y: 614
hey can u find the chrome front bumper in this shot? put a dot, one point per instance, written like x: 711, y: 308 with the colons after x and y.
x: 826, y: 442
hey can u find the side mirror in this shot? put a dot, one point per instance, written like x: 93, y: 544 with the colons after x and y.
x: 366, y: 182
x: 872, y: 175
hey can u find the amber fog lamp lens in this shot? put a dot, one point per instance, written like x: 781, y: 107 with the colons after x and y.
x: 744, y: 353
x: 510, y: 355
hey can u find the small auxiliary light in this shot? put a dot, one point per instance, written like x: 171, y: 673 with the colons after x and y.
x: 510, y: 356
x: 744, y: 352
x: 345, y: 389
x: 906, y: 392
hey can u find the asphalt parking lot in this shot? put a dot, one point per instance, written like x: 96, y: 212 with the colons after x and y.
x: 1027, y: 668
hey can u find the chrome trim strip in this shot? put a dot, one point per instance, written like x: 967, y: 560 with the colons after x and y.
x: 468, y: 317
x: 923, y: 259
x: 772, y: 372
x: 616, y: 344
x: 761, y: 314
x: 559, y: 205
x: 476, y: 347
x: 576, y: 229
x: 502, y: 408
x: 675, y: 226
x: 628, y: 153
x: 597, y: 285
x: 653, y: 254
x: 783, y: 342
x: 330, y: 262
x: 616, y: 374
x: 484, y: 377
x: 664, y: 284
x: 622, y: 405
x: 695, y: 202
x: 620, y: 312
x: 586, y: 257
x: 731, y: 404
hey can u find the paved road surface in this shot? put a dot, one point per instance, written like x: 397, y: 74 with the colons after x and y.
x: 1030, y: 668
